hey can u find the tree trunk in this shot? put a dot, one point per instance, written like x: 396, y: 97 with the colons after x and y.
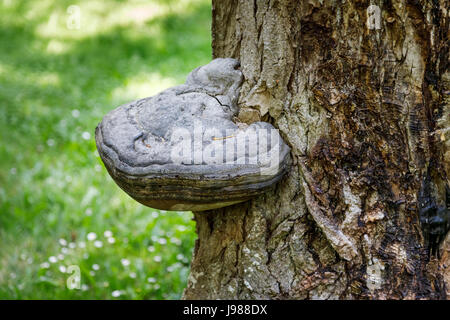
x: 365, y: 109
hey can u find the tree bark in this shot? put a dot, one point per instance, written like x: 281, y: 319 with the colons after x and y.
x: 366, y: 112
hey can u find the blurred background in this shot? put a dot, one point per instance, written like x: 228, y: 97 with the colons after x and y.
x: 63, y: 65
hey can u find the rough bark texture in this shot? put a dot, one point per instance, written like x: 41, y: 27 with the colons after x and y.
x: 366, y: 113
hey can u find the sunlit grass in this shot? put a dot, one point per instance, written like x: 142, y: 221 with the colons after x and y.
x: 56, y: 84
x: 138, y: 86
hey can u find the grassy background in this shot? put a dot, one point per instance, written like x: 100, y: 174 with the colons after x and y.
x: 56, y: 83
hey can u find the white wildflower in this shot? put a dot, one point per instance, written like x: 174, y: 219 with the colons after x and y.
x: 91, y: 236
x: 116, y: 293
x: 86, y: 135
x: 75, y: 113
x: 180, y: 256
x: 98, y: 244
x: 125, y: 262
x: 50, y: 142
x: 108, y: 234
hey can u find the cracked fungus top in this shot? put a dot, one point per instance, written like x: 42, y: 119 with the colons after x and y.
x: 180, y: 149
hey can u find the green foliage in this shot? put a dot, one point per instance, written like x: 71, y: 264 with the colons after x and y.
x: 56, y: 83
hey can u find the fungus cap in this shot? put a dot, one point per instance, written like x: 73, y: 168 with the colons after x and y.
x: 180, y: 149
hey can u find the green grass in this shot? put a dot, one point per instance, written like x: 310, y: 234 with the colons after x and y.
x: 56, y: 83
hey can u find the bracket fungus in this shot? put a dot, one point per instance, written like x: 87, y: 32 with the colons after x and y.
x: 180, y: 149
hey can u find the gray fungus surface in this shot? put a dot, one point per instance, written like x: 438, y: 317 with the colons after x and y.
x: 181, y: 150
